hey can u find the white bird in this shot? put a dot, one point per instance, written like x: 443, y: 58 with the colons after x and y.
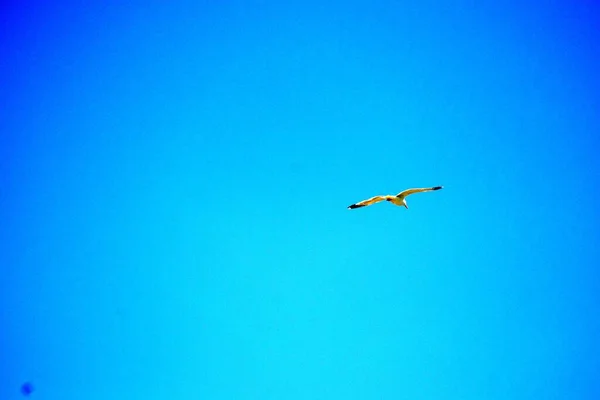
x: 399, y: 199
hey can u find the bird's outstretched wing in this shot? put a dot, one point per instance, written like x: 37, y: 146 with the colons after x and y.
x: 417, y: 190
x: 368, y: 202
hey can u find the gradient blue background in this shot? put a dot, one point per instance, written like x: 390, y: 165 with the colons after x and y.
x: 175, y: 181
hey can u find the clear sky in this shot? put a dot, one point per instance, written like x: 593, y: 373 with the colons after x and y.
x: 174, y: 183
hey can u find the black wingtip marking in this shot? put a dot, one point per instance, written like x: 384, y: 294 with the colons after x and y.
x: 353, y: 206
x: 438, y: 187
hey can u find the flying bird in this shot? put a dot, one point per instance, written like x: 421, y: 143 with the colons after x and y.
x: 399, y: 199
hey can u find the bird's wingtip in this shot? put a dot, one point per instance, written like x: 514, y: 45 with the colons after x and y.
x: 353, y: 206
x: 438, y: 187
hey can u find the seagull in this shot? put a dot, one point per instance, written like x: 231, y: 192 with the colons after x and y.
x: 399, y: 199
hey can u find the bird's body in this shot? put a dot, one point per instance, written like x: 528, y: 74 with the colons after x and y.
x: 399, y: 199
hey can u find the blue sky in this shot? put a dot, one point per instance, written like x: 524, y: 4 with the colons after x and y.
x: 174, y: 183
